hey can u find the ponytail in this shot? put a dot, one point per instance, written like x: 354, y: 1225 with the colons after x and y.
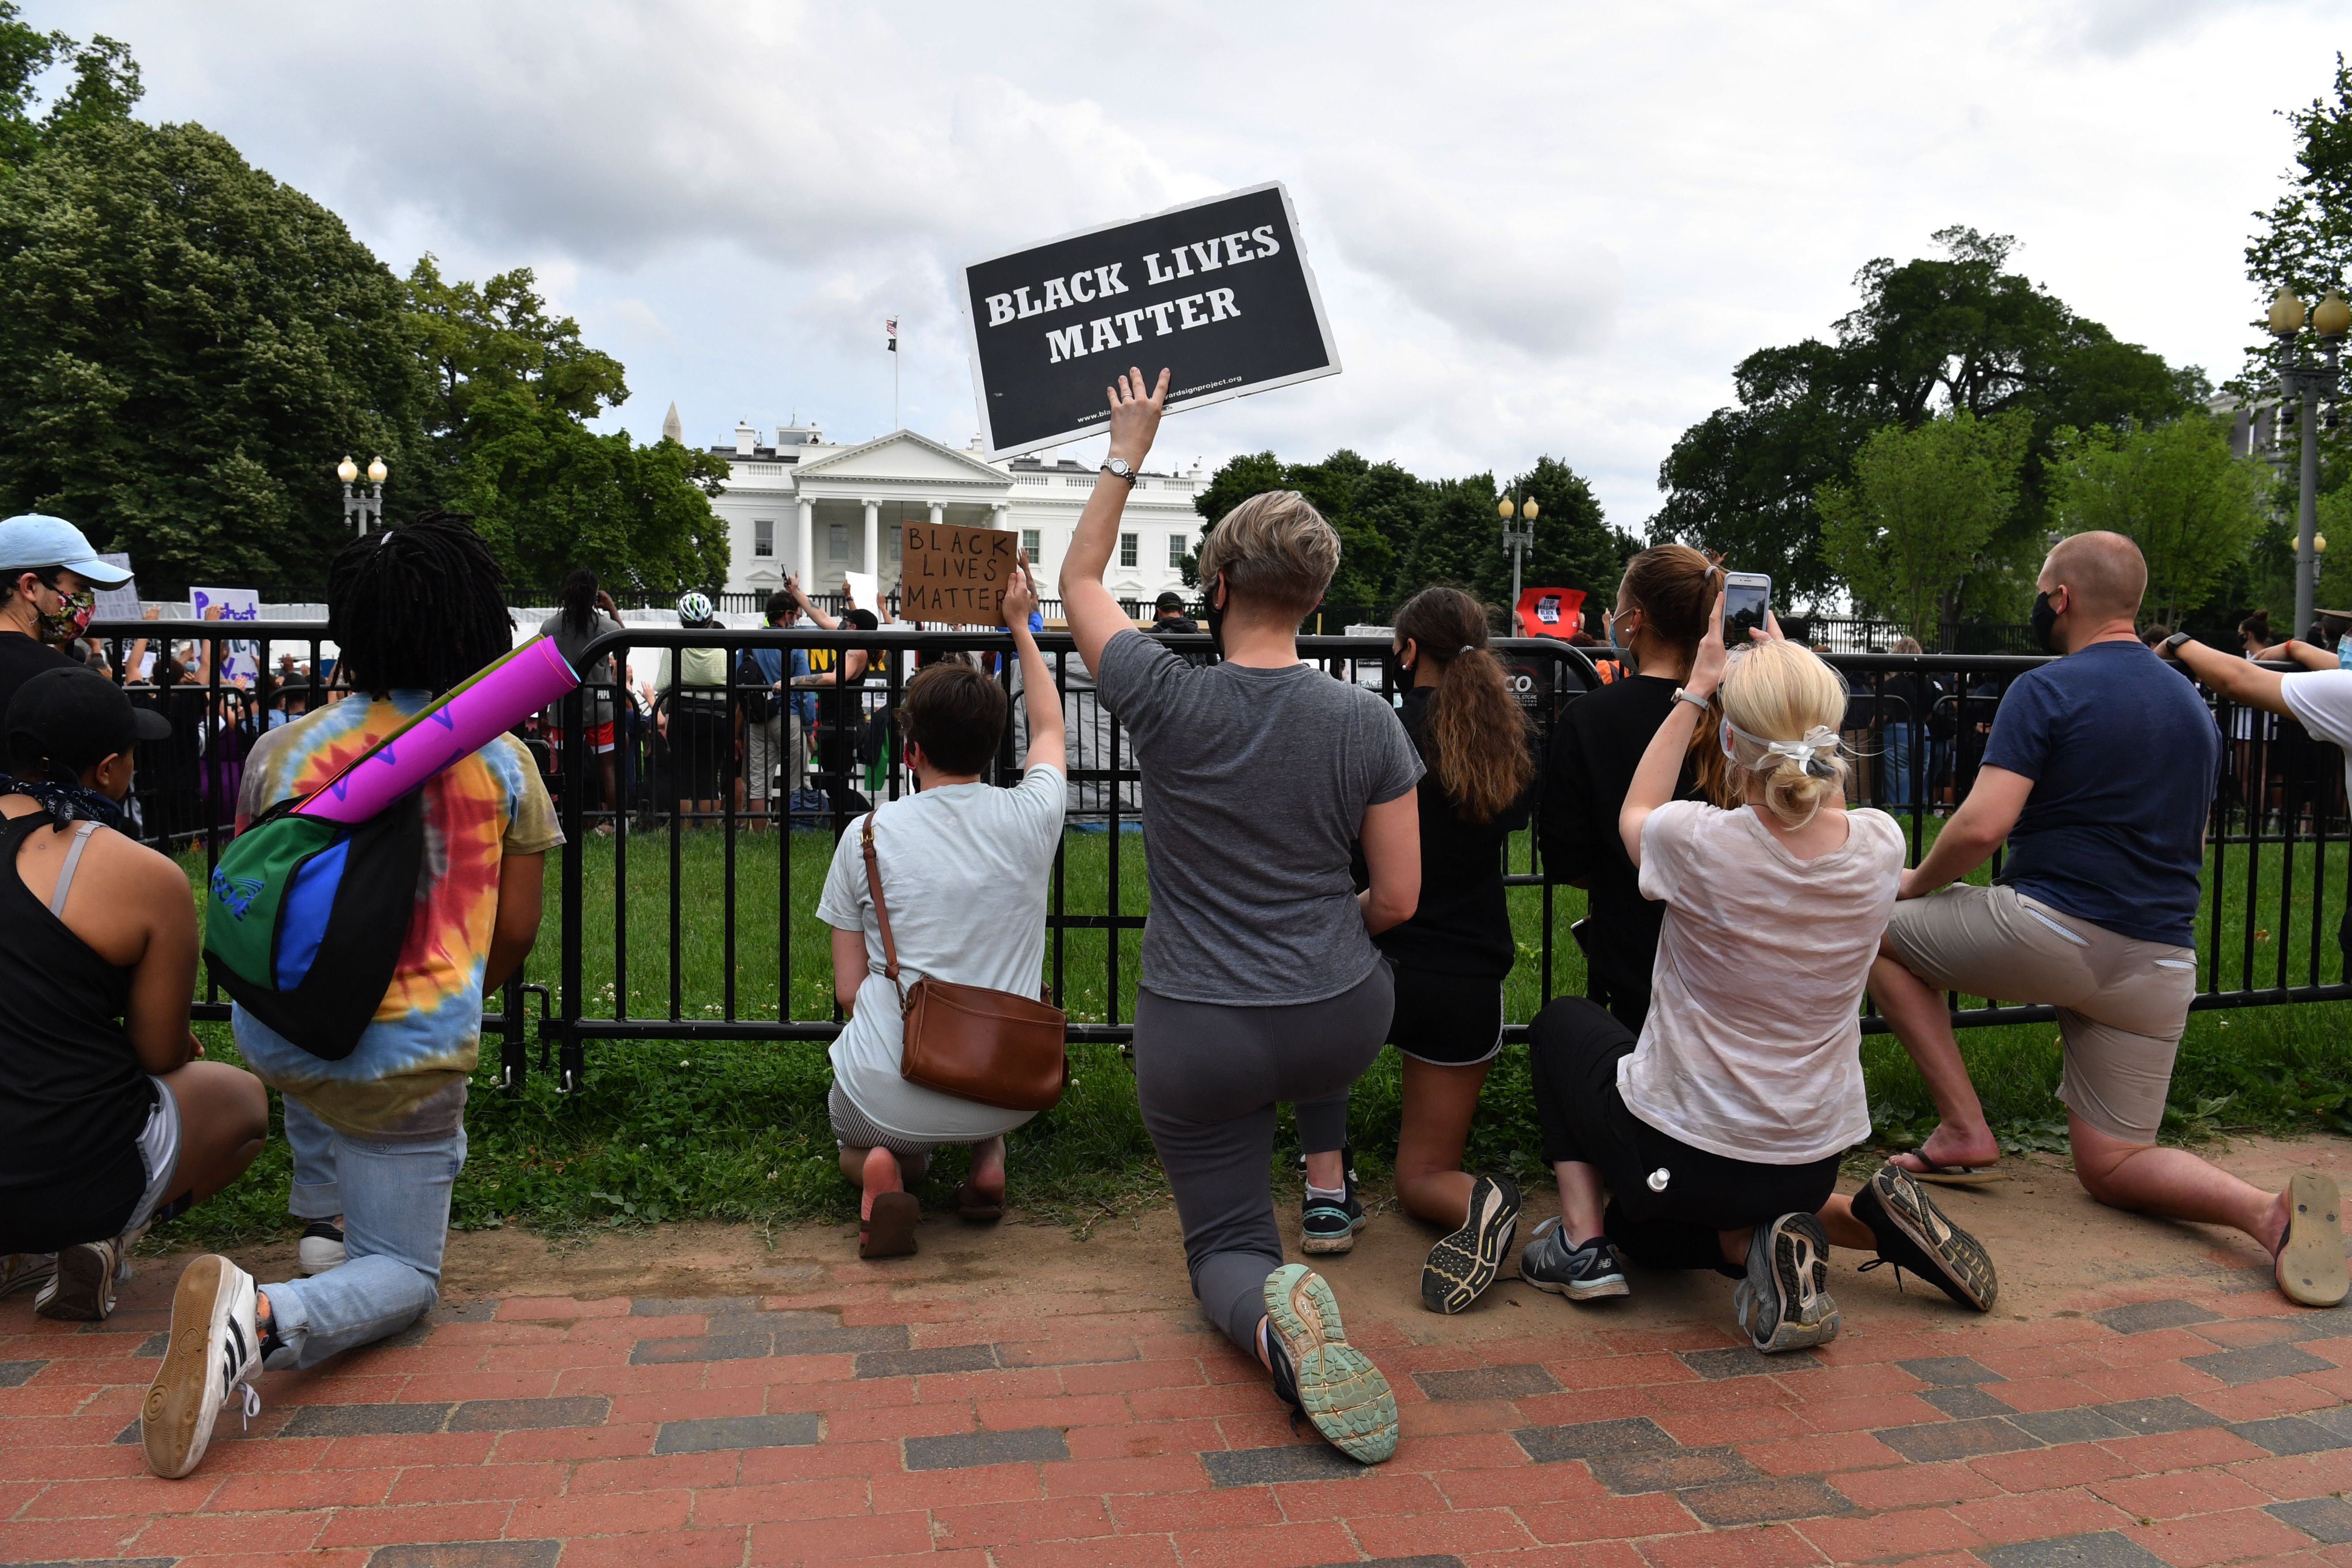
x: 1478, y: 740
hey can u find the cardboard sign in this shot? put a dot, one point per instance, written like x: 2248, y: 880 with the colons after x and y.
x: 958, y: 575
x: 240, y: 662
x: 1550, y: 612
x: 118, y: 603
x: 1217, y: 292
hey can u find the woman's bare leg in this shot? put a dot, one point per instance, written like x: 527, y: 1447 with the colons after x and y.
x: 1439, y: 1102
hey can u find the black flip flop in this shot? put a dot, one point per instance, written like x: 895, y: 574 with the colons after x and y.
x: 889, y: 1231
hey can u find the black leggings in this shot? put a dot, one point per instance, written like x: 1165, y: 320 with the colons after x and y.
x: 1667, y: 1200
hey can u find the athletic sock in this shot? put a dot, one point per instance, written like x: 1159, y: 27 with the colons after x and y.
x: 1315, y: 1194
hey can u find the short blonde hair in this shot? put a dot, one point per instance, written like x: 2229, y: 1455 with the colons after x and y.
x: 1274, y: 548
x: 1783, y: 692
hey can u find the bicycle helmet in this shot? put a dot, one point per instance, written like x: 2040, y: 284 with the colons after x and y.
x: 693, y: 609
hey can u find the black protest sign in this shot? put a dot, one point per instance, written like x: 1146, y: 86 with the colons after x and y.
x: 949, y: 574
x: 1217, y: 292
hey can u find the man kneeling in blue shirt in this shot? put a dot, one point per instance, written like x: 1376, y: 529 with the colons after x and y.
x: 2099, y: 775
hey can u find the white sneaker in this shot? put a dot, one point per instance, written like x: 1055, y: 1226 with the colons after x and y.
x: 23, y: 1270
x: 80, y: 1289
x: 321, y: 1247
x: 214, y: 1353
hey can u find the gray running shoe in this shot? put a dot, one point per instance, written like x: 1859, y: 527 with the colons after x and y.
x: 1580, y: 1273
x: 1784, y: 1303
x: 1334, y: 1384
x: 23, y: 1270
x: 81, y: 1290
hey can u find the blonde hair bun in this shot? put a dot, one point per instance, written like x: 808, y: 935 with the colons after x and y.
x: 1781, y: 708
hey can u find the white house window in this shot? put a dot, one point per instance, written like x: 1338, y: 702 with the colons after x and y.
x: 763, y: 536
x: 837, y: 541
x: 1128, y: 544
x: 896, y: 534
x: 1032, y: 542
x: 1176, y: 551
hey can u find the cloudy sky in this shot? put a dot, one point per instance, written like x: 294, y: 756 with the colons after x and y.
x: 1544, y: 228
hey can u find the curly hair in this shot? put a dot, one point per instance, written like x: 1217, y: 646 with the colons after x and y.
x: 420, y: 607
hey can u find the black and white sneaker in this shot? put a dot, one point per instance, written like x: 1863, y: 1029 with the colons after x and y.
x: 1464, y: 1264
x: 211, y: 1361
x: 321, y: 1247
x: 1912, y: 1233
x: 1784, y: 1303
x: 80, y: 1289
x: 27, y: 1271
x: 1580, y: 1273
x: 1326, y: 1225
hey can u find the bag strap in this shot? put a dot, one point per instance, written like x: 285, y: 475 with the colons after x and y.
x: 881, y: 910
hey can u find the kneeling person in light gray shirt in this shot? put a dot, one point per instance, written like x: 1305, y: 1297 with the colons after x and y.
x: 956, y: 847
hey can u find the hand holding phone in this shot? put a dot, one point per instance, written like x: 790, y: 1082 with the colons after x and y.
x: 1746, y: 604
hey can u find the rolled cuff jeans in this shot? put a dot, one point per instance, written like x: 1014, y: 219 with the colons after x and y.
x: 395, y: 1200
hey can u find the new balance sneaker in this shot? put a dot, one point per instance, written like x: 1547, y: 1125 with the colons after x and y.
x: 81, y: 1287
x: 321, y: 1247
x: 1580, y: 1273
x: 23, y: 1270
x: 1330, y: 1382
x: 1330, y: 1225
x: 211, y: 1361
x: 1784, y: 1303
x: 1912, y: 1233
x: 1461, y: 1267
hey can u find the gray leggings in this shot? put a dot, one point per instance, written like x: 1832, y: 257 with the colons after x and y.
x: 1209, y: 1078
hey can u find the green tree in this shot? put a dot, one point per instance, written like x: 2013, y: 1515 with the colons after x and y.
x: 1924, y: 513
x: 1929, y: 335
x: 2306, y: 240
x: 2172, y: 489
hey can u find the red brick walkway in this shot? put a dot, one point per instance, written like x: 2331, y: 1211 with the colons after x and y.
x: 2189, y: 1420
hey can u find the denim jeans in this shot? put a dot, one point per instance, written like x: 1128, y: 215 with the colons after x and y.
x: 395, y: 1200
x: 1895, y: 763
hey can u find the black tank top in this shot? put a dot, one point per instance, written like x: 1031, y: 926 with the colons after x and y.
x: 73, y: 1097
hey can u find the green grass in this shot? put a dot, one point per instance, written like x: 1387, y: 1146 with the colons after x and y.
x: 667, y: 1130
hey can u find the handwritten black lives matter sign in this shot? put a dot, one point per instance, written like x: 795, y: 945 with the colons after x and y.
x: 1216, y: 291
x: 951, y: 574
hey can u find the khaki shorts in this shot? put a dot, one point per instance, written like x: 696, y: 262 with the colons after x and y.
x: 2122, y: 1002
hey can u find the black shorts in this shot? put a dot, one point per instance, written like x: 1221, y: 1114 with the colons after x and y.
x: 1446, y: 1020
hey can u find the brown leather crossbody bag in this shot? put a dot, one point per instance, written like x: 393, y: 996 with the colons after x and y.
x: 993, y: 1047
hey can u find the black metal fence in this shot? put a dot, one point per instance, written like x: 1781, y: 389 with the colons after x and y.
x: 685, y: 895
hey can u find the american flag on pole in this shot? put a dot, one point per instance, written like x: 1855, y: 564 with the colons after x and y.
x: 890, y: 325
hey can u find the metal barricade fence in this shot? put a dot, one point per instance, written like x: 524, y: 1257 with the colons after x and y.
x: 711, y: 876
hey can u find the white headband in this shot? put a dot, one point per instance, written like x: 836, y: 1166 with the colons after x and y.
x: 1805, y: 753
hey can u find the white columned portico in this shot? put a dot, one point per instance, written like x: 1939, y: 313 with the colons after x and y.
x: 874, y: 538
x: 998, y: 512
x: 804, y: 545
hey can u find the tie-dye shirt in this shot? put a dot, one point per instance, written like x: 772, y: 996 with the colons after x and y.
x: 407, y: 1077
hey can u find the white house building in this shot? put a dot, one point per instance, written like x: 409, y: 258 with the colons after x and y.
x: 804, y: 504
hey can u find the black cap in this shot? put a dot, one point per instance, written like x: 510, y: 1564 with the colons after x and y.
x: 68, y: 719
x: 1171, y: 601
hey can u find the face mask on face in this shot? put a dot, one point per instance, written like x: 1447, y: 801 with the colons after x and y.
x: 2045, y: 621
x: 66, y: 623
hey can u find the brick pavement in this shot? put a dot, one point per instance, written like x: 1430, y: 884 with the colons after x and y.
x: 869, y: 1416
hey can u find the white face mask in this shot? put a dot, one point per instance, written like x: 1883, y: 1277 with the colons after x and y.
x: 1806, y: 753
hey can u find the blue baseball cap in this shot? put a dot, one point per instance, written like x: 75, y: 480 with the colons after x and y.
x: 32, y: 540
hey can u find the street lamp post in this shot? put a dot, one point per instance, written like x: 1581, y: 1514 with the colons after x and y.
x: 1517, y: 540
x: 363, y: 504
x: 2313, y: 383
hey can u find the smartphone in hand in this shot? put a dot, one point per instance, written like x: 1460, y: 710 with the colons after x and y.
x: 1747, y: 600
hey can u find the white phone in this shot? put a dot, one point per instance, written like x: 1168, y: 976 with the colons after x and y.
x: 1747, y: 600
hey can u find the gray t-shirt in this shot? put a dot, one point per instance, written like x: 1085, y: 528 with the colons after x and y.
x: 570, y: 643
x: 1254, y: 785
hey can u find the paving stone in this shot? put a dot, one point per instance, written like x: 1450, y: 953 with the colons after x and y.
x: 1967, y: 1401
x: 703, y: 1347
x: 2169, y: 1412
x: 133, y: 1562
x: 692, y: 1306
x: 2328, y: 1518
x: 965, y: 1450
x: 1745, y: 1361
x: 2143, y: 1317
x: 937, y: 1359
x: 1950, y: 1371
x: 1521, y: 1381
x: 16, y: 1373
x: 1590, y: 1439
x: 1437, y: 1559
x: 154, y: 1344
x: 2336, y: 1419
x: 2257, y: 1363
x: 529, y: 1415
x: 129, y: 1434
x: 2105, y: 1550
x: 1669, y: 1470
x: 1761, y: 1502
x: 2291, y: 1435
x: 799, y: 1321
x: 1290, y: 1462
x: 365, y: 1420
x: 1938, y: 1440
x: 837, y: 1340
x: 469, y: 1554
x: 792, y: 1429
x: 2083, y: 1424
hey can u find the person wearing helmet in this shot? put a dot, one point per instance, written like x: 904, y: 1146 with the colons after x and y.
x: 690, y: 714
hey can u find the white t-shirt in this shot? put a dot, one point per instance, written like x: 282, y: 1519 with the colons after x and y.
x: 1753, y: 1047
x: 2321, y: 698
x: 965, y: 868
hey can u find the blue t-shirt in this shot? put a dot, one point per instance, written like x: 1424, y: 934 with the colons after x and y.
x: 2122, y: 755
x: 771, y: 661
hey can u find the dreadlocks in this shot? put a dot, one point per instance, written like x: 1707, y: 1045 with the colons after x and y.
x: 421, y: 606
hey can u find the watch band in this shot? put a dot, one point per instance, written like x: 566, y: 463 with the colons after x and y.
x: 2172, y: 644
x: 1684, y: 694
x: 1114, y: 473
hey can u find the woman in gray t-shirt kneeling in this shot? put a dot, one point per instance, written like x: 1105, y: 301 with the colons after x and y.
x: 1260, y: 981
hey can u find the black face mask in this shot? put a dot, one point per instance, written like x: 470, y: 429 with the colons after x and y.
x: 2045, y: 621
x: 1214, y: 614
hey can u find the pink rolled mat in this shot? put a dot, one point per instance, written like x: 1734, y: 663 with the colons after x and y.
x: 488, y: 703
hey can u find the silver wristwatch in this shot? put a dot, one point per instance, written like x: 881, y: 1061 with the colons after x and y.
x: 1120, y: 468
x: 1684, y: 694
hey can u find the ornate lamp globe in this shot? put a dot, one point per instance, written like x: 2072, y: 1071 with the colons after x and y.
x: 376, y: 471
x: 347, y: 470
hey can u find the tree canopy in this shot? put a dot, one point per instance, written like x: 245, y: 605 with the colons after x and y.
x: 2175, y: 490
x: 1922, y: 514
